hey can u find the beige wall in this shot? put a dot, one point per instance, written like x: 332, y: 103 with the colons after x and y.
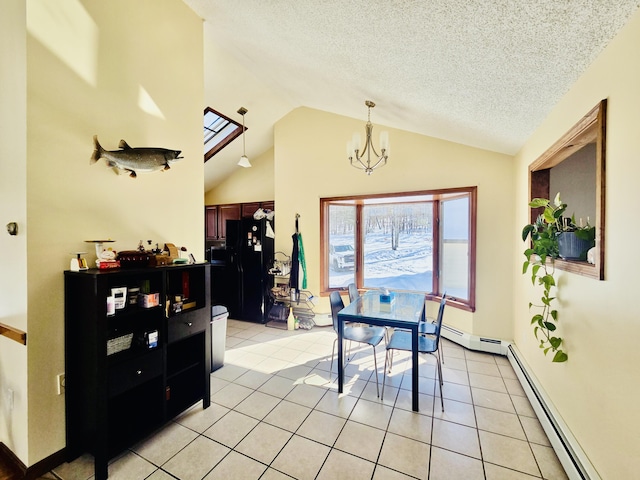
x: 85, y: 77
x: 13, y: 249
x: 60, y: 200
x: 310, y: 163
x: 253, y: 184
x: 597, y: 390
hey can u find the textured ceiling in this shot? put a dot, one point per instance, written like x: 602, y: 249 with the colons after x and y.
x: 481, y: 73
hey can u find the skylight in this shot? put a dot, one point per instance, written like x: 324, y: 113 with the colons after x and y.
x: 219, y: 130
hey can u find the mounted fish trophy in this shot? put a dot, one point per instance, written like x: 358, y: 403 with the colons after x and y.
x: 134, y: 160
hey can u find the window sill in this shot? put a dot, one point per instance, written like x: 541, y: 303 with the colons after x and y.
x: 452, y: 302
x: 576, y: 266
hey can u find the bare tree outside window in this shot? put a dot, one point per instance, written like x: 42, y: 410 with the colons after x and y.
x: 398, y: 246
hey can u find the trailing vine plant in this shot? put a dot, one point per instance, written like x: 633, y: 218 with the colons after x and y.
x: 541, y: 257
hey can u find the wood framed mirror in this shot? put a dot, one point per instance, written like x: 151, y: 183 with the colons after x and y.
x: 575, y: 167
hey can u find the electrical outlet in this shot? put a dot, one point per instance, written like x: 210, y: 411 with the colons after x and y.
x: 61, y: 383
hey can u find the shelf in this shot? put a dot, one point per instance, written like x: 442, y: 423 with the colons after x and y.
x: 181, y: 392
x: 131, y: 310
x: 115, y: 398
x: 302, y: 309
x: 278, y: 324
x: 134, y: 414
x: 182, y: 370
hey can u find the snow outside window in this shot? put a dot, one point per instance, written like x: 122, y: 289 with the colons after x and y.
x: 342, y: 242
x: 397, y: 244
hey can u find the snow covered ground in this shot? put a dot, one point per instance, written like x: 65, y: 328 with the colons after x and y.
x: 410, y: 267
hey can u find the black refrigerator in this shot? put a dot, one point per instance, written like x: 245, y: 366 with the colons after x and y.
x: 250, y: 256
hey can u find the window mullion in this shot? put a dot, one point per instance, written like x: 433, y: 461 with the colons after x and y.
x: 359, y: 248
x: 435, y: 287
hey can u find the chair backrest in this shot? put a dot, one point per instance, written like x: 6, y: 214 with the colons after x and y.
x: 443, y: 302
x: 336, y: 305
x: 353, y: 292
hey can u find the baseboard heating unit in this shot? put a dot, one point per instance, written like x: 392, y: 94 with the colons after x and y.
x: 573, y: 459
x: 473, y: 342
x: 571, y: 456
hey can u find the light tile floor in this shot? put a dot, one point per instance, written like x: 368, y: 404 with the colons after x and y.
x: 276, y: 414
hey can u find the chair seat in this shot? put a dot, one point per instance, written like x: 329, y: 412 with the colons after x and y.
x: 369, y: 335
x: 401, y: 340
x: 424, y: 328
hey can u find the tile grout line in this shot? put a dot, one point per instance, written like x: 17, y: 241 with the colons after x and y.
x: 363, y: 396
x: 475, y: 418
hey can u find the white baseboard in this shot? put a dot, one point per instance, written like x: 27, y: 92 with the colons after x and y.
x: 571, y: 456
x: 573, y: 459
x: 474, y: 342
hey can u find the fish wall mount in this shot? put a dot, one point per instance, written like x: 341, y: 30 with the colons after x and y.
x: 134, y: 160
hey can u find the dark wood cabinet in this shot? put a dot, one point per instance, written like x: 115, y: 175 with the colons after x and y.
x: 216, y: 216
x: 211, y: 222
x: 227, y: 212
x: 248, y: 209
x: 129, y: 372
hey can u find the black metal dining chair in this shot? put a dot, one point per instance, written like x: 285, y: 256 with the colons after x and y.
x: 401, y: 340
x: 353, y: 292
x: 428, y: 327
x: 367, y: 335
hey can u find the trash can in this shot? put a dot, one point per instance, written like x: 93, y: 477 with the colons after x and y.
x: 219, y: 315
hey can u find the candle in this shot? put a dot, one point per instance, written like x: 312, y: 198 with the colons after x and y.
x: 356, y: 141
x: 384, y: 140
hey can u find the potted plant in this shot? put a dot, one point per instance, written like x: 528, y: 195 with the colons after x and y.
x: 544, y: 249
x: 574, y: 241
x: 555, y: 235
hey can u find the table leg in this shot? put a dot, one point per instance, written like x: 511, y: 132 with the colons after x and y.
x: 340, y: 356
x: 414, y: 369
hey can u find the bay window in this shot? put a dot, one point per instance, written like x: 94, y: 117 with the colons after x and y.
x: 414, y: 241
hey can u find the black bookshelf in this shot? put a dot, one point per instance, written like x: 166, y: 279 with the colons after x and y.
x: 130, y: 372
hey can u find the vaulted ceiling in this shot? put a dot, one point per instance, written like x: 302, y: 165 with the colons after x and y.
x: 481, y: 73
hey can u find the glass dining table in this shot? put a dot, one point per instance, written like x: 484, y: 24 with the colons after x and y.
x: 406, y: 310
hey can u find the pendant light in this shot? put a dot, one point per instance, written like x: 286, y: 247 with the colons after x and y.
x: 244, y: 160
x: 361, y: 158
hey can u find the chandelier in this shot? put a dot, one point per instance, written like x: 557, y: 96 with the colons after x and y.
x: 362, y: 159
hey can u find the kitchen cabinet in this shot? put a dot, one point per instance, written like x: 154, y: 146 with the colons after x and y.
x: 227, y: 212
x: 130, y: 372
x: 216, y: 216
x: 248, y: 209
x: 211, y: 222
